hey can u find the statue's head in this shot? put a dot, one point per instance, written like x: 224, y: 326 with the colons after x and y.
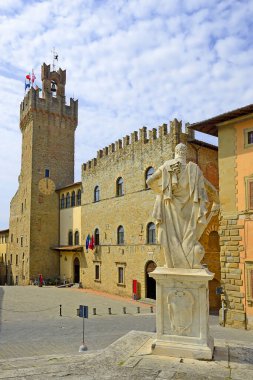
x: 181, y: 151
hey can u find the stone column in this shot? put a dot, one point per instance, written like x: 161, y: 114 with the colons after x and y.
x: 182, y: 312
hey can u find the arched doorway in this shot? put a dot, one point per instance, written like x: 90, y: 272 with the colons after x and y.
x: 76, y: 270
x: 150, y: 282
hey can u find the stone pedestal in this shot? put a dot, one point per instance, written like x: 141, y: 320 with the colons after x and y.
x: 182, y: 312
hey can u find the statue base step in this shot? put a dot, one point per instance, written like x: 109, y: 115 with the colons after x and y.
x: 184, y: 350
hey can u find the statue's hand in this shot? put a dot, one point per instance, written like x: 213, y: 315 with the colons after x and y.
x: 176, y: 168
x: 215, y: 208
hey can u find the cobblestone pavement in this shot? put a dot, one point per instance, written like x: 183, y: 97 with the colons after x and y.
x: 36, y: 343
x: 30, y: 321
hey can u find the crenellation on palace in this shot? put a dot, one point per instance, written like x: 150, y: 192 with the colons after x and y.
x: 137, y: 140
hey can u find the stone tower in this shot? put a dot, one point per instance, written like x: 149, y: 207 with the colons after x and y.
x: 48, y: 128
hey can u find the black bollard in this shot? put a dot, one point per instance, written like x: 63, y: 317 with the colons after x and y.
x: 138, y: 309
x: 124, y: 310
x: 94, y: 311
x: 151, y: 309
x: 109, y: 310
x: 60, y: 311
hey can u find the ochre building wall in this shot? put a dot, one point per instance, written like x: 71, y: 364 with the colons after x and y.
x: 236, y: 225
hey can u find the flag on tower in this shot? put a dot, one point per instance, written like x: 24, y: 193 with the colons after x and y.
x: 27, y: 85
x: 87, y: 242
x: 33, y: 77
x: 91, y: 244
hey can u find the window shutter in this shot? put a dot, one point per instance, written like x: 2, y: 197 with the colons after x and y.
x: 251, y: 195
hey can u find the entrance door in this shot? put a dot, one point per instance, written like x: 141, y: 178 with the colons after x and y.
x: 76, y: 270
x: 150, y: 282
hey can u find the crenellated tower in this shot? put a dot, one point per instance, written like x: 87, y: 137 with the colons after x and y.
x: 48, y: 127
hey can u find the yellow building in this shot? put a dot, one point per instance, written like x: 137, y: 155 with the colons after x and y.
x: 70, y: 247
x: 4, y: 235
x: 235, y: 133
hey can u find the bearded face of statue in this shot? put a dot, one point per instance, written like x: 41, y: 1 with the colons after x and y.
x: 181, y: 152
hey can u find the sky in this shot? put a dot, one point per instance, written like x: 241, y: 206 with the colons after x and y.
x: 130, y: 63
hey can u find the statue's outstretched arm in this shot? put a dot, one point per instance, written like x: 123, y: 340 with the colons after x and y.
x: 153, y: 181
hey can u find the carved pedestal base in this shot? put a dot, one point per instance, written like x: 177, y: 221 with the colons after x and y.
x: 182, y: 312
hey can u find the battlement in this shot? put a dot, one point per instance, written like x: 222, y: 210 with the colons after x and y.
x: 143, y: 136
x: 32, y: 102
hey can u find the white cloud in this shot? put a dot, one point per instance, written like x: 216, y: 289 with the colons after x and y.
x: 130, y: 63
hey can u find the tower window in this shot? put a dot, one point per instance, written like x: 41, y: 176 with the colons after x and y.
x: 62, y: 201
x: 120, y: 235
x: 119, y: 186
x: 47, y: 172
x: 73, y: 199
x: 97, y: 272
x: 68, y: 200
x: 70, y: 238
x: 151, y: 239
x: 96, y: 194
x: 120, y: 275
x: 148, y: 174
x: 96, y: 236
x: 79, y: 198
x: 76, y: 238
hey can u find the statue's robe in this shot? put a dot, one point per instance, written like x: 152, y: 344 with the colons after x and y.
x: 180, y: 212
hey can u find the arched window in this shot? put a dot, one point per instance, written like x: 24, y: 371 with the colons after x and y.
x: 70, y: 239
x: 96, y: 194
x: 68, y: 200
x: 96, y: 233
x: 73, y: 199
x: 151, y: 238
x: 78, y: 199
x: 120, y: 235
x: 148, y: 174
x: 119, y: 187
x: 62, y: 201
x: 77, y: 238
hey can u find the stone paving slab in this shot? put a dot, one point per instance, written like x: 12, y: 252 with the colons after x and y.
x: 122, y: 360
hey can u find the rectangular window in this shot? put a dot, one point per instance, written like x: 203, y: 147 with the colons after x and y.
x: 120, y: 275
x: 11, y: 258
x: 16, y: 259
x: 21, y: 241
x: 250, y: 137
x: 47, y: 173
x: 250, y: 195
x: 16, y: 280
x: 97, y: 272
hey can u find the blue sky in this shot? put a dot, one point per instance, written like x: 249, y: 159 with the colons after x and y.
x: 130, y: 63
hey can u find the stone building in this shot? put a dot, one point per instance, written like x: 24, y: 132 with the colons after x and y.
x: 51, y: 216
x: 48, y: 127
x: 4, y: 236
x: 117, y: 211
x: 235, y: 135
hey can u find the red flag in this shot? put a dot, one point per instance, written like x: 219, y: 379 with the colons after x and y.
x: 91, y: 243
x: 33, y: 77
x: 28, y: 77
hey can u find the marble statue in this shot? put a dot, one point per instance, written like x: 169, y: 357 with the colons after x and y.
x: 181, y: 209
